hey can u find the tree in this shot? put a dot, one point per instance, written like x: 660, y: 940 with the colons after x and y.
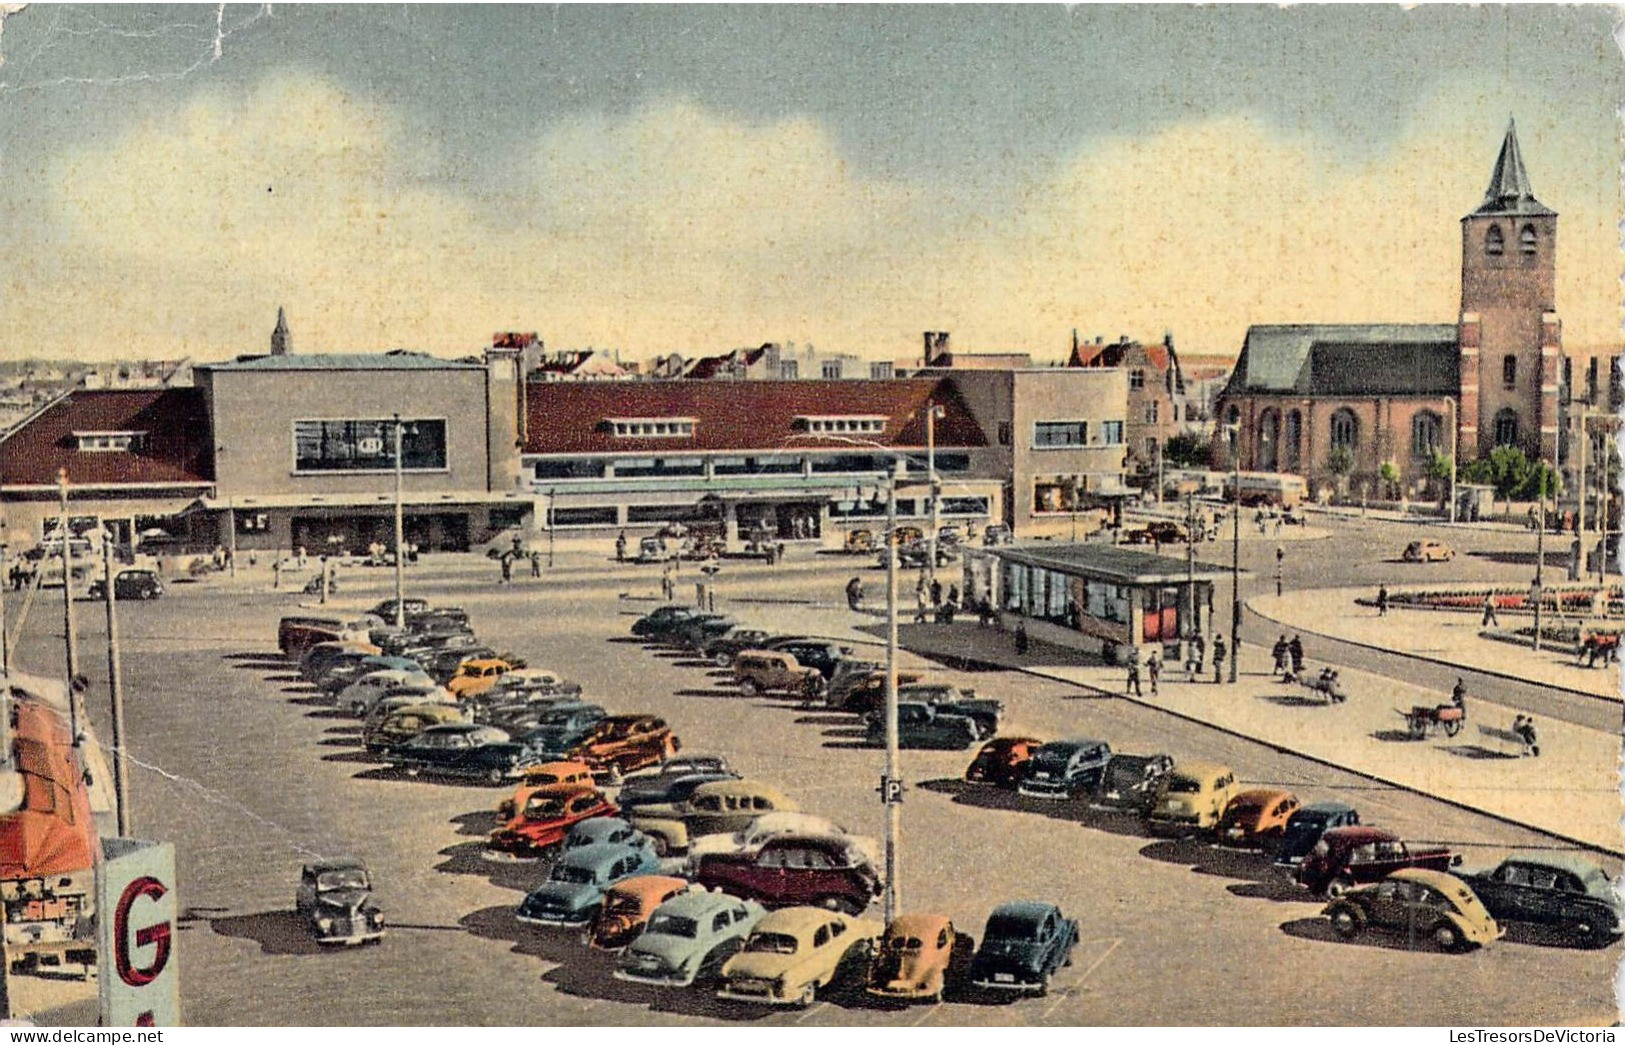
x: 1390, y: 478
x: 1542, y: 484
x: 1340, y: 462
x: 1437, y: 471
x: 1187, y: 451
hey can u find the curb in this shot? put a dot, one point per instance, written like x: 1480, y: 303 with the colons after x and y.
x: 1431, y: 660
x: 1318, y: 760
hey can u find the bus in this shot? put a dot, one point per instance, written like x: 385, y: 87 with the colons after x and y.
x: 1280, y: 489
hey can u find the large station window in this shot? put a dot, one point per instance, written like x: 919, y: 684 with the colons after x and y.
x: 368, y: 445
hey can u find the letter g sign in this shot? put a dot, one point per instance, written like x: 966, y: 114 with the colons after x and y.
x: 156, y: 936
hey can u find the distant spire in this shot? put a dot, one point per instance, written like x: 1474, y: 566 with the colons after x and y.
x: 1509, y: 191
x: 281, y: 340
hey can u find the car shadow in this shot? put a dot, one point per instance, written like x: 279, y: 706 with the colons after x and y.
x: 1478, y: 751
x: 499, y: 923
x: 690, y: 661
x: 1393, y: 735
x: 363, y: 758
x: 286, y: 678
x: 273, y: 658
x: 1293, y: 700
x: 277, y: 932
x: 1247, y: 864
x: 831, y: 719
x: 1074, y: 811
x: 1320, y: 930
x: 345, y: 741
x: 478, y: 823
x: 730, y: 694
x: 1278, y: 888
x: 468, y: 858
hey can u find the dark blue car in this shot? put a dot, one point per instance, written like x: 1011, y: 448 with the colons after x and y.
x: 461, y: 749
x: 1305, y: 827
x: 1024, y: 945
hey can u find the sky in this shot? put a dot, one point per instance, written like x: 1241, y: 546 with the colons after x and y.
x: 653, y: 179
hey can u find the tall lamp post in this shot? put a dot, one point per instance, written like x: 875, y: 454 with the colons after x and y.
x: 115, y: 688
x: 400, y: 534
x: 891, y: 784
x: 932, y: 412
x: 1235, y: 549
x: 70, y: 638
x: 1455, y: 451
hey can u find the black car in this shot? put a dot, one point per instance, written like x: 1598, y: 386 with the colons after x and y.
x: 666, y: 789
x: 386, y: 610
x: 129, y: 584
x: 1130, y: 782
x: 1024, y: 945
x: 1558, y: 890
x: 1065, y: 768
x: 660, y: 624
x: 1304, y: 828
x: 443, y: 663
x: 813, y: 653
x: 559, y: 730
x: 462, y: 749
x: 335, y: 900
x: 722, y: 650
x: 699, y: 630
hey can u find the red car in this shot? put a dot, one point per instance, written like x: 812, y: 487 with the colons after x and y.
x: 1349, y: 856
x: 830, y: 871
x: 547, y: 817
x: 1002, y: 761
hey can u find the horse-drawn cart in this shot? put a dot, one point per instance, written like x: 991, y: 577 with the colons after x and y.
x: 1421, y: 719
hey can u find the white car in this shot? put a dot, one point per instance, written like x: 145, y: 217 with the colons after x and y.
x: 360, y: 695
x: 770, y: 825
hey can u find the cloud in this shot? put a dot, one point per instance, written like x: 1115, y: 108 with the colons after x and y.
x: 675, y: 227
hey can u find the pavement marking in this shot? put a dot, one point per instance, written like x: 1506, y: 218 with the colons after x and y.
x: 806, y: 1015
x: 1067, y: 992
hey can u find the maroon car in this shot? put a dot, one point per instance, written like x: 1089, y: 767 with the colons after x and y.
x: 830, y: 871
x: 1349, y: 856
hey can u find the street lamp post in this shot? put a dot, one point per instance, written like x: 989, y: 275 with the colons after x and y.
x: 1235, y: 550
x: 1455, y: 450
x: 70, y: 638
x: 551, y: 524
x: 1540, y: 549
x: 891, y: 784
x: 115, y: 688
x: 400, y: 535
x: 932, y: 412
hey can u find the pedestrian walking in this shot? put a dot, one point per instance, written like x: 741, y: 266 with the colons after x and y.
x: 507, y: 570
x: 1282, y: 653
x: 276, y: 574
x: 1195, y: 653
x: 953, y: 596
x: 1133, y: 685
x: 1382, y: 600
x: 699, y: 593
x: 854, y: 593
x: 1489, y: 612
x: 1022, y: 644
x: 1218, y: 659
x: 620, y: 547
x: 668, y: 583
x: 922, y: 612
x: 1523, y: 727
x: 1295, y: 648
x: 1458, y: 696
x: 301, y: 556
x: 1153, y: 670
x: 535, y: 564
x: 936, y: 593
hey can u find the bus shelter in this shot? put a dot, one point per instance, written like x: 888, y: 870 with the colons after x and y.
x: 1108, y: 600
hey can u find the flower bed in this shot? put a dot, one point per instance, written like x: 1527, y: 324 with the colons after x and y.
x: 1574, y: 601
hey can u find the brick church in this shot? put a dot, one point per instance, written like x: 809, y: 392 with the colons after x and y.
x: 1391, y: 392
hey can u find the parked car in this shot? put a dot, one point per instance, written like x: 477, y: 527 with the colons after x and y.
x: 385, y: 610
x: 1562, y: 891
x: 960, y: 701
x: 688, y: 937
x: 445, y: 663
x: 315, y: 660
x: 662, y: 621
x: 830, y: 871
x: 722, y: 649
x: 539, y: 777
x: 1428, y: 551
x: 1024, y: 945
x: 667, y: 790
x: 793, y: 954
x: 521, y: 683
x: 401, y: 726
x: 1002, y: 761
x: 1161, y: 531
x: 1419, y: 904
x: 859, y: 542
x: 605, y: 830
x: 558, y: 731
x: 128, y: 585
x: 1131, y: 782
x: 297, y: 633
x: 1192, y: 797
x: 360, y: 695
x: 924, y: 725
x: 1305, y: 826
x: 620, y: 744
x: 624, y: 912
x: 920, y: 956
x: 770, y: 671
x: 1067, y: 768
x: 335, y: 900
x: 996, y: 534
x: 859, y: 686
x: 397, y: 699
x: 460, y: 749
x: 760, y: 830
x: 915, y: 554
x: 654, y: 783
x: 1349, y: 856
x: 546, y: 816
x: 575, y: 886
x: 476, y: 676
x: 698, y: 631
x: 712, y: 808
x: 519, y: 717
x: 341, y: 677
x: 813, y: 653
x: 1256, y: 817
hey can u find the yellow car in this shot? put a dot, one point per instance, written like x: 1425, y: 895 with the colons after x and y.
x: 795, y: 952
x: 476, y: 676
x: 538, y: 777
x: 1418, y: 905
x: 1192, y: 797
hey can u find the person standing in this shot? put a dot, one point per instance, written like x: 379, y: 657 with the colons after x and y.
x: 535, y: 564
x: 1489, y: 612
x: 1195, y: 652
x: 699, y: 594
x: 936, y: 593
x: 922, y: 601
x: 1458, y: 696
x: 1382, y: 600
x: 1133, y: 685
x: 1280, y: 651
x: 854, y: 593
x: 1295, y: 648
x: 1219, y: 651
x: 507, y: 569
x: 1022, y: 644
x: 1153, y: 670
x: 620, y: 547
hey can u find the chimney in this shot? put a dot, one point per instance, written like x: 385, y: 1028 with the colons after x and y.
x: 936, y: 346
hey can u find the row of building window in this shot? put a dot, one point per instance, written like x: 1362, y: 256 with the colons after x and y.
x: 110, y: 442
x: 1495, y: 240
x: 844, y: 425
x: 652, y: 427
x: 559, y: 468
x: 1427, y: 434
x: 1055, y: 435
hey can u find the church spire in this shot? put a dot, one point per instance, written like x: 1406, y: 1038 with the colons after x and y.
x: 1509, y: 191
x: 281, y: 340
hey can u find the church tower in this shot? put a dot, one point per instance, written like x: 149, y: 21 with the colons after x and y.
x: 1510, y: 338
x: 281, y: 340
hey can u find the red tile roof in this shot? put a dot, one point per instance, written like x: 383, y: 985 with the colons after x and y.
x: 740, y: 415
x: 175, y: 448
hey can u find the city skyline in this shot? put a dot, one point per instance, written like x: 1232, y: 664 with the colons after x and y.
x: 696, y: 179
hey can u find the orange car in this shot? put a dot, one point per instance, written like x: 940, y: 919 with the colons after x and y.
x: 1256, y: 817
x: 1002, y: 761
x: 474, y: 677
x: 626, y: 909
x: 918, y: 958
x: 545, y: 775
x: 621, y: 744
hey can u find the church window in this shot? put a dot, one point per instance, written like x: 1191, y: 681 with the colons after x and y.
x: 1267, y: 459
x: 1426, y: 427
x: 1291, y: 439
x: 1506, y: 428
x: 1494, y: 242
x: 1136, y: 378
x: 1345, y: 429
x: 1509, y: 371
x: 1526, y: 239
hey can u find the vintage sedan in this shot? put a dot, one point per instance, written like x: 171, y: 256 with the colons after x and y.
x: 794, y: 953
x: 1067, y: 768
x: 474, y: 677
x: 1131, y: 782
x: 1419, y: 904
x: 1192, y: 797
x: 360, y: 693
x: 1558, y: 890
x: 688, y: 937
x: 463, y: 750
x: 829, y: 871
x: 540, y: 776
x: 919, y: 957
x: 317, y: 658
x: 334, y: 899
x: 661, y: 622
x: 1257, y: 817
x: 1428, y: 551
x: 620, y: 744
x: 626, y: 907
x: 560, y: 729
x: 401, y: 726
x: 1024, y: 945
x: 713, y: 808
x: 772, y: 671
x: 668, y: 791
x: 818, y: 654
x: 1349, y: 856
x: 338, y: 677
x: 575, y: 887
x: 546, y: 817
x: 128, y: 585
x: 1002, y: 761
x: 722, y: 649
x: 755, y: 834
x: 605, y: 830
x: 926, y: 725
x: 1304, y: 828
x: 654, y: 784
